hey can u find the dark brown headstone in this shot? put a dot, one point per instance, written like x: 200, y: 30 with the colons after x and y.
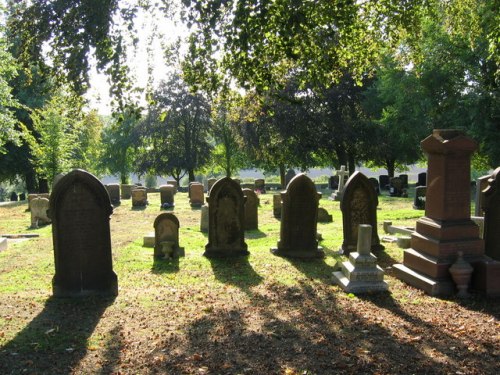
x: 196, y: 194
x: 299, y: 215
x: 422, y: 179
x: 404, y: 180
x: 446, y: 229
x: 251, y: 209
x: 80, y: 210
x: 260, y: 185
x: 383, y: 180
x: 126, y: 190
x: 375, y: 184
x: 359, y: 206
x: 226, y: 220
x: 167, y: 193
x: 491, y: 206
x: 419, y: 201
x: 114, y: 193
x: 396, y: 187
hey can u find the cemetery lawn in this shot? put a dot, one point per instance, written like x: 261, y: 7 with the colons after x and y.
x: 259, y: 314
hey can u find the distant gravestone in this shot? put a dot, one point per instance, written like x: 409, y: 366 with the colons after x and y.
x: 288, y: 177
x: 481, y: 185
x: 56, y: 179
x: 396, y: 187
x: 126, y: 190
x: 251, y: 209
x: 324, y: 216
x: 204, y: 219
x: 277, y: 206
x: 384, y: 181
x: 491, y: 205
x: 167, y: 196
x: 361, y: 274
x: 226, y: 223
x: 343, y: 174
x: 174, y: 184
x: 260, y: 185
x: 139, y: 197
x: 39, y: 208
x: 80, y: 210
x: 299, y: 217
x: 33, y: 196
x: 22, y: 196
x: 196, y: 194
x: 359, y: 206
x: 404, y: 180
x: 13, y: 197
x: 167, y: 236
x: 422, y: 179
x: 419, y: 201
x: 375, y: 185
x: 333, y: 182
x: 114, y: 193
x: 210, y: 183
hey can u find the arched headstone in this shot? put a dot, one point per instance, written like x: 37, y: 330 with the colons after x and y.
x: 299, y: 215
x: 226, y: 220
x: 167, y: 236
x: 80, y: 210
x: 359, y: 206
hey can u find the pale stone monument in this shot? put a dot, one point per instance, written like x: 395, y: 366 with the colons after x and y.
x: 251, y: 209
x: 139, y: 197
x: 196, y: 194
x: 167, y: 237
x: 39, y: 208
x: 342, y: 173
x: 204, y: 219
x: 126, y: 190
x: 174, y: 184
x: 167, y: 193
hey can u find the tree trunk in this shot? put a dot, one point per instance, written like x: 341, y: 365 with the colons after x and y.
x: 282, y: 176
x: 352, y: 164
x: 43, y: 185
x: 30, y: 180
x: 124, y: 178
x: 191, y: 175
x: 341, y: 156
x: 390, y: 165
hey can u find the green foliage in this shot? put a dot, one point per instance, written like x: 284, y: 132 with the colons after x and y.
x: 87, y: 154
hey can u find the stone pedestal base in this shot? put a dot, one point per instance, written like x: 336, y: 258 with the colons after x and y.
x: 149, y: 240
x: 429, y: 285
x: 107, y: 287
x: 295, y: 253
x: 213, y: 252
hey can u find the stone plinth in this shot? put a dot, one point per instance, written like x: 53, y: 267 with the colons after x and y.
x: 114, y: 193
x: 196, y: 194
x: 139, y: 197
x: 361, y: 274
x: 447, y: 227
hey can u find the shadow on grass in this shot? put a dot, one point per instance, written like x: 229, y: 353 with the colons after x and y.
x: 254, y: 234
x: 138, y: 208
x: 165, y: 265
x: 56, y: 339
x: 235, y: 271
x: 315, y: 268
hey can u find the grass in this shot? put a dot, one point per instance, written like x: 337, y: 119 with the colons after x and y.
x: 172, y: 315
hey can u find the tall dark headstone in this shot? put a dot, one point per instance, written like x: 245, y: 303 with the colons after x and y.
x: 251, y: 209
x: 375, y: 184
x: 419, y: 201
x: 396, y: 187
x: 299, y: 215
x: 359, y: 206
x: 491, y: 206
x: 167, y: 193
x: 404, y: 180
x: 383, y: 180
x: 80, y: 210
x: 422, y: 179
x: 13, y: 197
x: 226, y: 220
x: 447, y: 228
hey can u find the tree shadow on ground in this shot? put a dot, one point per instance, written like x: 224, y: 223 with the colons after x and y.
x: 254, y: 234
x: 165, y: 265
x: 235, y: 271
x: 56, y: 339
x: 315, y: 268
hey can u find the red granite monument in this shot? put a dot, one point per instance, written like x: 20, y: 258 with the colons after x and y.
x: 447, y: 227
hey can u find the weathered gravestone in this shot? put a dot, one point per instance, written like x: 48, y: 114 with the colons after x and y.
x: 167, y: 237
x: 384, y: 181
x: 447, y: 227
x: 343, y: 174
x: 481, y: 184
x: 404, y: 180
x: 324, y: 216
x: 22, y: 196
x: 375, y: 184
x: 126, y: 190
x: 333, y: 182
x: 174, y: 184
x: 114, y: 193
x: 204, y: 219
x: 80, y: 210
x: 13, y: 197
x: 419, y: 201
x: 167, y: 193
x: 361, y: 274
x: 491, y: 205
x: 226, y: 222
x: 260, y: 185
x: 299, y: 216
x: 251, y: 209
x: 210, y: 183
x: 56, y: 179
x: 33, y: 196
x: 396, y: 187
x: 422, y: 179
x: 288, y: 177
x: 359, y: 206
x: 139, y: 197
x: 39, y: 208
x: 277, y: 206
x: 196, y: 194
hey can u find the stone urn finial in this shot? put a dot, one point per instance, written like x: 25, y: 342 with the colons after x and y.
x: 461, y: 272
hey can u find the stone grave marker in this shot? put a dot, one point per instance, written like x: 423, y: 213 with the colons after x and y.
x: 204, y: 219
x: 324, y: 216
x: 333, y: 182
x: 210, y: 183
x: 447, y: 228
x: 422, y: 179
x: 359, y: 206
x: 343, y: 174
x: 114, y: 193
x: 22, y: 196
x: 419, y: 201
x: 39, y: 208
x: 80, y: 210
x: 481, y: 185
x: 404, y: 180
x: 251, y: 209
x: 260, y: 185
x: 3, y: 244
x: 196, y: 194
x: 167, y: 193
x: 277, y: 206
x: 396, y: 187
x: 139, y: 197
x: 174, y: 184
x: 384, y: 182
x: 226, y: 222
x: 126, y: 190
x: 361, y: 274
x: 288, y: 177
x: 13, y: 197
x: 375, y: 184
x: 33, y: 196
x: 491, y: 205
x: 299, y: 217
x: 167, y: 236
